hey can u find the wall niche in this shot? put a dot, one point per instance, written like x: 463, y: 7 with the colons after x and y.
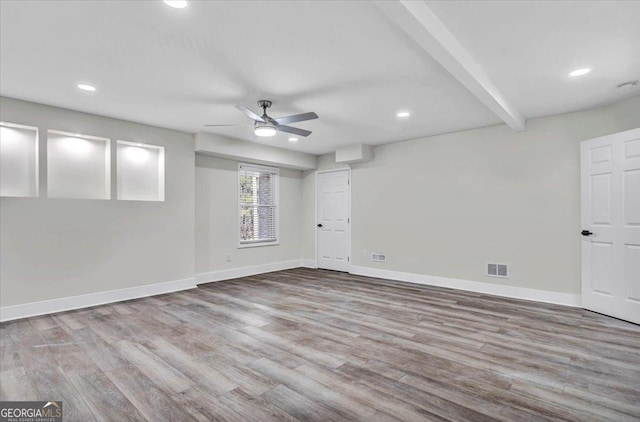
x: 78, y: 166
x: 18, y: 160
x: 140, y: 170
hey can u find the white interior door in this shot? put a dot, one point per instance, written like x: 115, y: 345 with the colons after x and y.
x: 334, y: 220
x: 610, y: 179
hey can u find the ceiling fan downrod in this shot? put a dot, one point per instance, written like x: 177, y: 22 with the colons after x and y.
x: 264, y: 105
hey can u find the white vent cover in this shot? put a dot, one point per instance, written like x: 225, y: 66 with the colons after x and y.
x: 498, y: 270
x: 378, y: 257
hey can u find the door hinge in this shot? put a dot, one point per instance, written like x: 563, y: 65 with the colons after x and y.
x: 348, y: 182
x: 348, y: 220
x: 348, y: 259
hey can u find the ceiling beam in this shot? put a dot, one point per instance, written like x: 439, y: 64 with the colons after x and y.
x: 424, y: 27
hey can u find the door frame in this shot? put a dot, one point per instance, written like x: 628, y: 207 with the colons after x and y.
x: 315, y: 213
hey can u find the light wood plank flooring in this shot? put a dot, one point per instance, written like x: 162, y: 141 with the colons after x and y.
x: 319, y: 345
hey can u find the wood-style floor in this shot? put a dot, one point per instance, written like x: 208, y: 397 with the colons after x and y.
x: 319, y: 345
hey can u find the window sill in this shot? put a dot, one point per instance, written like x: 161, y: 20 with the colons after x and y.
x: 257, y: 244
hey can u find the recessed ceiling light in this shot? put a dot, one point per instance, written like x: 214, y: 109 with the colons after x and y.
x: 176, y: 4
x: 293, y: 139
x: 86, y: 87
x: 403, y: 114
x: 580, y: 72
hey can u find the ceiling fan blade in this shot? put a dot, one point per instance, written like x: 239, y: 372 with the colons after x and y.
x: 296, y: 118
x: 246, y: 110
x: 293, y: 130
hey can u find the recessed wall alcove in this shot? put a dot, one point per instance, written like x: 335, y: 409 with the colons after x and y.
x: 140, y: 170
x: 78, y: 166
x: 18, y: 160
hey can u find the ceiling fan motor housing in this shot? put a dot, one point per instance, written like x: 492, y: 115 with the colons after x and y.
x: 264, y: 124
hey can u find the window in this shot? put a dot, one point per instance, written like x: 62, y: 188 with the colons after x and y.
x: 258, y: 197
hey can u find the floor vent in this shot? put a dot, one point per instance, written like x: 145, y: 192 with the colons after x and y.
x: 498, y: 270
x: 378, y: 257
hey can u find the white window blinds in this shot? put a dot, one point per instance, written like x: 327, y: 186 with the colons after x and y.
x: 258, y: 195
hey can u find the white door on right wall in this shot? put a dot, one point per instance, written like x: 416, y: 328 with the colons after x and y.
x: 610, y: 180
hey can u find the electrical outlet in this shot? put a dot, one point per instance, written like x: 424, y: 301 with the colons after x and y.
x: 228, y: 257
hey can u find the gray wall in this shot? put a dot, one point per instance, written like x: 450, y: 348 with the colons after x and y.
x: 446, y: 205
x: 217, y: 218
x: 443, y: 206
x: 54, y: 248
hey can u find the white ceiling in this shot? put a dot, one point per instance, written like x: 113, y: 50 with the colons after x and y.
x: 529, y: 47
x: 347, y: 61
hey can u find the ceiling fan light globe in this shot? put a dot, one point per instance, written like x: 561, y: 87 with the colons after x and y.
x: 264, y: 131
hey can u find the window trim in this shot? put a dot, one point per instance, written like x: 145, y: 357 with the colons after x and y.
x: 259, y: 243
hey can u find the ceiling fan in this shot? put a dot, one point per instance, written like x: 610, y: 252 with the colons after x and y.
x: 266, y: 125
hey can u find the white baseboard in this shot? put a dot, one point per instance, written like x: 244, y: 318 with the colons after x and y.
x: 546, y: 296
x: 308, y: 263
x: 8, y: 313
x: 246, y: 271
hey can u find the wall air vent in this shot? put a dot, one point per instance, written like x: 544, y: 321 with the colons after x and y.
x: 378, y: 257
x: 498, y: 270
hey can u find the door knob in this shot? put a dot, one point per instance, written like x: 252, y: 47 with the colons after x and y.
x: 320, y: 225
x: 586, y: 233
